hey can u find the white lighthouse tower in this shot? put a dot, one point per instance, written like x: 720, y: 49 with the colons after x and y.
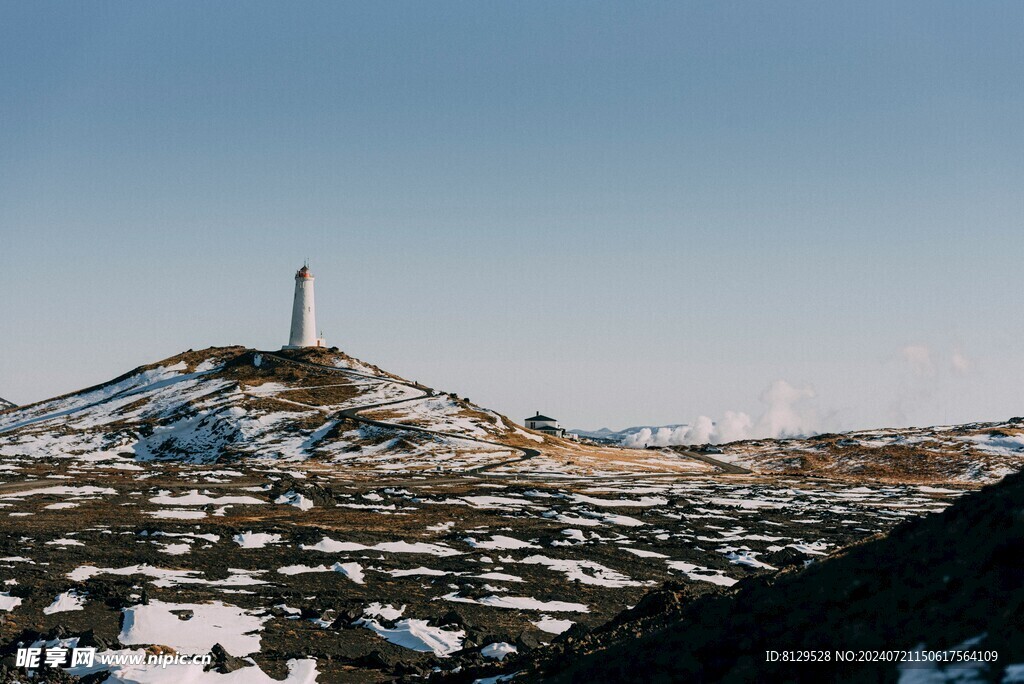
x: 303, y: 332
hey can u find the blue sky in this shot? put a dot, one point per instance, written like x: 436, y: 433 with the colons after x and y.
x: 615, y: 213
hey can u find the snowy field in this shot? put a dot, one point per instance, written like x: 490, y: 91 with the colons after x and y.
x: 314, y: 575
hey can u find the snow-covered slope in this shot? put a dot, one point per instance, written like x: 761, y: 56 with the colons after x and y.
x: 233, y: 402
x: 4, y: 404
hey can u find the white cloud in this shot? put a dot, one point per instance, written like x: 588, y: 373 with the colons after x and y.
x: 960, y: 363
x: 788, y: 412
x: 734, y: 426
x: 919, y: 360
x: 924, y: 381
x: 915, y: 382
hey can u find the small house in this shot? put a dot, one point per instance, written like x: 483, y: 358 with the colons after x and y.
x: 548, y: 426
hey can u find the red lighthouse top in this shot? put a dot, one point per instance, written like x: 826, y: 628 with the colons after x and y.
x: 304, y: 272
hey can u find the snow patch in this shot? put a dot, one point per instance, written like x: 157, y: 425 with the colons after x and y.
x: 418, y: 635
x: 68, y: 601
x: 193, y: 627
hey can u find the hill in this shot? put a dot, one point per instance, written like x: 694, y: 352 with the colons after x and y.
x: 969, y: 453
x: 973, y: 452
x: 223, y: 404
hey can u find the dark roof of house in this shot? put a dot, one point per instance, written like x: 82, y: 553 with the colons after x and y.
x: 539, y: 417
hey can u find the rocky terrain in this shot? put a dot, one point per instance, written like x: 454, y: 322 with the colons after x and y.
x: 974, y: 452
x: 4, y: 404
x: 304, y: 516
x: 946, y: 582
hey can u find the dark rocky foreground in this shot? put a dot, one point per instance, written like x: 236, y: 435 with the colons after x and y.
x: 953, y: 579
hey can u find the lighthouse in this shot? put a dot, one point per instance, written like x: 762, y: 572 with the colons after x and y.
x: 303, y: 332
